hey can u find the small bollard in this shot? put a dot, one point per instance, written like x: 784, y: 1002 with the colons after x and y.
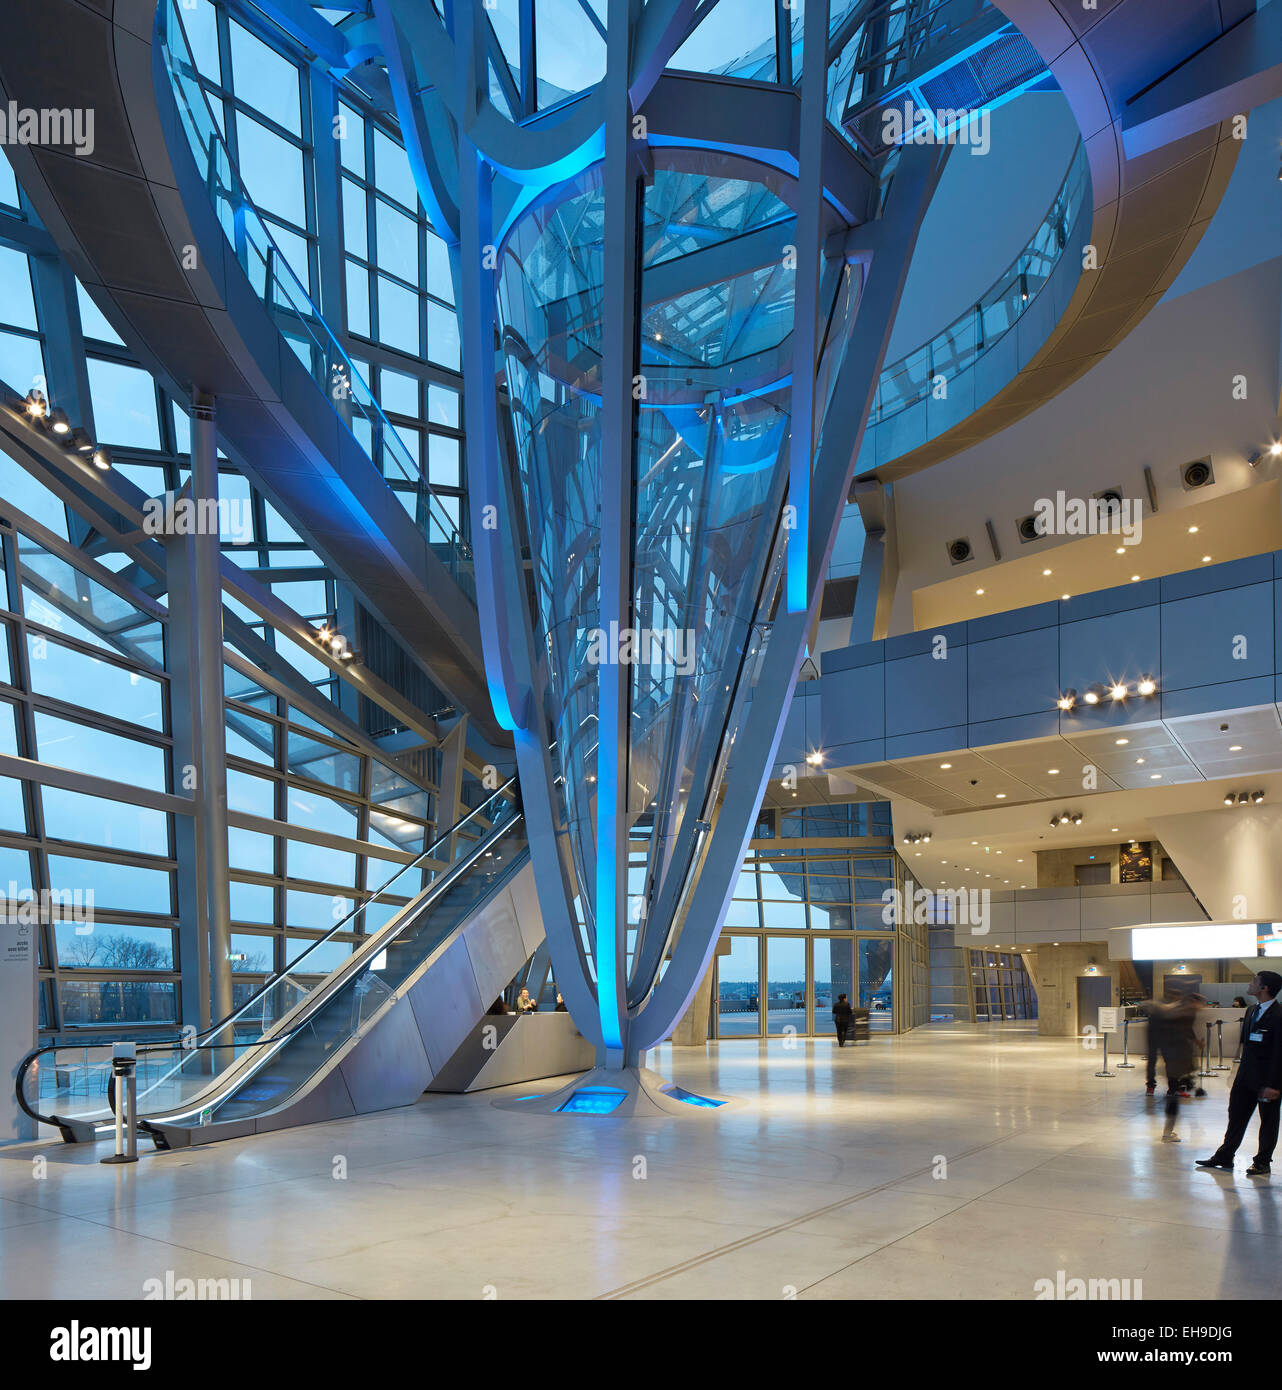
x: 1126, y: 1038
x: 123, y: 1061
x: 1221, y: 1065
x: 1206, y: 1053
x: 1106, y: 1071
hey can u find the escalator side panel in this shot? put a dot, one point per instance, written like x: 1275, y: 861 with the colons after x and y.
x: 388, y: 1065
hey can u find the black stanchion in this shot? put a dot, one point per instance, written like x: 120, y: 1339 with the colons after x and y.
x: 1221, y: 1065
x: 123, y: 1062
x: 1124, y: 1065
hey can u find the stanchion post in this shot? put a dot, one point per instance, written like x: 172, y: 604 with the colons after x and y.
x: 1206, y: 1052
x: 1221, y: 1065
x: 1105, y: 1071
x: 1124, y: 1065
x: 123, y: 1060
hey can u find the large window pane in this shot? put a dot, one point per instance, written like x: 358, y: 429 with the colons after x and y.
x: 115, y: 887
x: 110, y: 946
x: 98, y: 752
x: 93, y: 820
x: 124, y: 405
x: 92, y: 1003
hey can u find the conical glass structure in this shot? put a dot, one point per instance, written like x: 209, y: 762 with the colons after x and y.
x: 708, y: 476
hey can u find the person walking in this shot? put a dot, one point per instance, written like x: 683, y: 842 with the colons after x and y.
x: 842, y: 1014
x: 1177, y: 1040
x: 1258, y: 1083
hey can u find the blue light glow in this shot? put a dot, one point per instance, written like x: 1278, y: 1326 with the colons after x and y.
x: 593, y: 1100
x: 689, y: 1098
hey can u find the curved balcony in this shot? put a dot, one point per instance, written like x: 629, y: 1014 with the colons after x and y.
x: 940, y: 384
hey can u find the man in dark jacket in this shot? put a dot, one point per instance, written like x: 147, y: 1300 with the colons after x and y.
x: 842, y: 1014
x: 1258, y: 1082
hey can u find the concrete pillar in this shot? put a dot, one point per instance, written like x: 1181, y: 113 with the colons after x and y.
x: 1057, y: 971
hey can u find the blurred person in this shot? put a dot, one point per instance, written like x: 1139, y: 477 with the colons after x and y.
x: 842, y: 1016
x: 560, y: 1004
x: 1258, y: 1083
x: 1177, y: 1041
x: 524, y: 1004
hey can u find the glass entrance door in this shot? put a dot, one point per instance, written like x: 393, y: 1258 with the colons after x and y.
x: 739, y: 989
x: 833, y: 974
x: 786, y: 984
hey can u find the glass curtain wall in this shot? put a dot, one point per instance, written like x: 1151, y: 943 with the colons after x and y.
x: 805, y: 925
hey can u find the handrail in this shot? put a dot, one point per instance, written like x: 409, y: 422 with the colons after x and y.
x: 1062, y: 214
x: 352, y: 967
x: 75, y: 1130
x: 260, y: 256
x: 292, y: 967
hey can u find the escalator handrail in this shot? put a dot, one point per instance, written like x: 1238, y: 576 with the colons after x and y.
x: 345, y: 973
x: 292, y: 967
x: 195, y: 1042
x: 64, y: 1124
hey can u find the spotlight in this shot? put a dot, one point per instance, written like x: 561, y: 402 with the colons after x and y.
x: 1067, y: 700
x: 1117, y: 692
x: 80, y: 442
x: 347, y: 654
x: 1256, y: 797
x: 1242, y: 799
x: 324, y: 634
x: 101, y: 458
x: 35, y: 405
x: 1229, y: 799
x: 1147, y: 686
x: 814, y: 759
x: 1275, y: 449
x: 1092, y: 695
x: 58, y: 422
x: 1077, y: 819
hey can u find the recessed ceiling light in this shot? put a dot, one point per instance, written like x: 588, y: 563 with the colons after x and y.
x: 943, y: 767
x: 1139, y: 760
x: 1121, y: 550
x: 974, y: 842
x: 979, y: 591
x: 1135, y: 579
x: 1001, y: 796
x: 1235, y: 747
x: 1019, y: 861
x: 1206, y: 559
x: 1046, y: 571
x: 1052, y: 772
x: 1121, y: 742
x: 1155, y: 776
x: 1064, y: 597
x: 1112, y: 830
x: 1192, y: 530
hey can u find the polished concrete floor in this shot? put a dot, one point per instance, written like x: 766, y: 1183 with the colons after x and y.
x: 959, y: 1162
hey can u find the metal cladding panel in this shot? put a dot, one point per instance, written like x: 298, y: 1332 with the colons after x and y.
x: 389, y: 1066
x: 446, y: 1003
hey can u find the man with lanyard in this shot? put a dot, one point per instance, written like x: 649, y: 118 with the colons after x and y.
x: 1258, y: 1081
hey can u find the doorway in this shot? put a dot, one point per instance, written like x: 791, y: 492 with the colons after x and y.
x: 1094, y: 992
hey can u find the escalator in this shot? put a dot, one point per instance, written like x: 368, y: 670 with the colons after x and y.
x: 369, y: 1036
